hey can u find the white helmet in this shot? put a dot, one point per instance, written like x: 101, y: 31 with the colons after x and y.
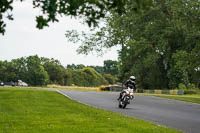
x: 132, y: 78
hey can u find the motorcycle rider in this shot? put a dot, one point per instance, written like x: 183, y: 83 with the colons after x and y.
x: 130, y: 83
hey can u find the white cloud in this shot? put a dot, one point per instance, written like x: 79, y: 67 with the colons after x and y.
x: 23, y: 39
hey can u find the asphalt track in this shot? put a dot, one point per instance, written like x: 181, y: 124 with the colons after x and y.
x: 170, y: 113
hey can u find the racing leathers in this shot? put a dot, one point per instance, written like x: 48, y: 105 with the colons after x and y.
x: 128, y: 84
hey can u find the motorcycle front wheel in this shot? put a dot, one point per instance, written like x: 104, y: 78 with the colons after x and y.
x: 120, y: 104
x: 124, y: 106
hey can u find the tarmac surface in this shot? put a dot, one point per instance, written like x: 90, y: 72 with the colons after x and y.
x: 170, y: 113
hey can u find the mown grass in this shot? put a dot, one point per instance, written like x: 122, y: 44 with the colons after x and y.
x: 186, y: 98
x: 78, y: 88
x: 39, y: 111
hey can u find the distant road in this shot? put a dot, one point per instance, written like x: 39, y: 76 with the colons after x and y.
x: 171, y: 113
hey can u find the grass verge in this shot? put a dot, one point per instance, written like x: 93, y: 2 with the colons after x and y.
x: 79, y: 88
x: 186, y: 98
x: 39, y: 111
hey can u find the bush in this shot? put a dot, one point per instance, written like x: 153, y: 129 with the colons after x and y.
x: 87, y: 77
x: 182, y: 86
x: 191, y: 86
x: 109, y: 78
x: 140, y: 90
x: 191, y: 91
x: 68, y: 78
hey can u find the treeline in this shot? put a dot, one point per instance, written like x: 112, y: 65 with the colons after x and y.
x: 38, y: 71
x: 159, y: 45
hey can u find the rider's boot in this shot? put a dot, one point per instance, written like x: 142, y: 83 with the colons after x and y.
x: 120, y: 96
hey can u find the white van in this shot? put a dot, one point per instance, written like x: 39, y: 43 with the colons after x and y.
x: 21, y: 83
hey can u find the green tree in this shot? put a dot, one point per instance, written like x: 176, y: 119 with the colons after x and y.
x: 74, y: 67
x: 68, y: 78
x: 91, y: 10
x: 36, y: 74
x: 7, y: 72
x: 87, y: 77
x: 20, y: 68
x: 55, y: 70
x: 111, y: 79
x: 110, y: 67
x: 154, y: 43
x: 99, y: 69
x: 71, y: 67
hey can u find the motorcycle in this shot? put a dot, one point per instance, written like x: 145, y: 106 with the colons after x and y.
x: 127, y: 95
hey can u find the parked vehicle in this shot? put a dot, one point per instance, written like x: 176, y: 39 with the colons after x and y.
x: 13, y: 83
x: 24, y: 84
x: 127, y: 95
x: 1, y: 83
x: 21, y: 83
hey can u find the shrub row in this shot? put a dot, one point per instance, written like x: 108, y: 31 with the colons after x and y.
x: 85, y: 77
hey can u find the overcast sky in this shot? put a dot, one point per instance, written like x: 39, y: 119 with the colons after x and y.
x: 22, y: 39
